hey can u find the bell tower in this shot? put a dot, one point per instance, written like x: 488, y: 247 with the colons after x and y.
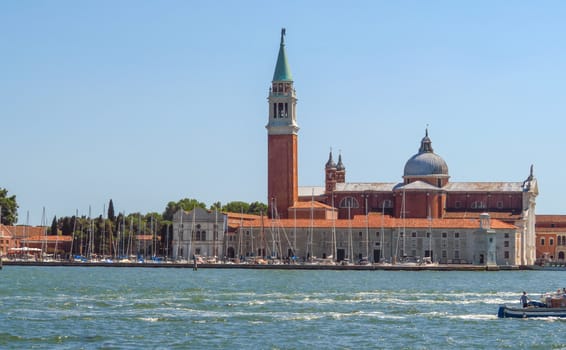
x: 282, y: 130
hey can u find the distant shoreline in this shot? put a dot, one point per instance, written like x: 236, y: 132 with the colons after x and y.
x: 443, y: 267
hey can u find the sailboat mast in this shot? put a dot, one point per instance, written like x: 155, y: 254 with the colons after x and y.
x: 404, y: 227
x: 429, y: 234
x: 26, y: 229
x: 130, y: 234
x: 367, y: 230
x: 382, y: 233
x: 215, y: 234
x: 89, y: 245
x: 240, y: 234
x: 73, y: 235
x: 309, y: 246
x: 273, y: 218
x: 294, y: 232
x: 92, y: 246
x: 103, y: 240
x: 153, y: 238
x: 191, y: 235
x: 252, y: 239
x: 140, y: 232
x: 334, y: 246
x: 180, y: 236
x: 81, y: 243
x: 167, y: 241
x: 262, y: 238
x: 118, y: 243
x: 44, y: 238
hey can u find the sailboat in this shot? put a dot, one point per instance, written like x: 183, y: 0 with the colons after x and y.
x: 365, y: 259
x: 404, y: 260
x: 382, y: 260
x: 427, y: 259
x: 350, y: 251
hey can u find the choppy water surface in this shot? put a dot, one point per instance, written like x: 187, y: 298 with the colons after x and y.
x: 137, y: 308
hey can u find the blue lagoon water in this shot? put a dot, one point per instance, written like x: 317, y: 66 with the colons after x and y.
x: 153, y: 308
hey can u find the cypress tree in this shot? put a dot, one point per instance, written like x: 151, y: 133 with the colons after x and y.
x: 54, y: 226
x: 111, y: 214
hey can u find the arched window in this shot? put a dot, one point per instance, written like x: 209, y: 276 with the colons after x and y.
x: 349, y: 202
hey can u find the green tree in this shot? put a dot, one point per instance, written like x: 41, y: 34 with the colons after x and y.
x: 53, y: 230
x: 66, y: 224
x: 236, y: 207
x: 111, y: 214
x: 9, y: 206
x: 257, y: 208
x: 185, y: 204
x: 216, y: 205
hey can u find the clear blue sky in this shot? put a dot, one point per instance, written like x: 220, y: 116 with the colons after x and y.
x: 146, y: 102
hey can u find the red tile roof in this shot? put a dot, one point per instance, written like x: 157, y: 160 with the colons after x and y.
x: 146, y: 237
x: 551, y: 218
x: 23, y: 231
x: 550, y: 230
x: 377, y: 220
x: 551, y: 222
x: 49, y: 238
x: 237, y: 219
x: 238, y: 216
x: 469, y: 214
x: 5, y: 232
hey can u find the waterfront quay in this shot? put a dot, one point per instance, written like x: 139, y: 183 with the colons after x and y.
x: 371, y: 267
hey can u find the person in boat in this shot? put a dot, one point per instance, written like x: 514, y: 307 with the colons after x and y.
x: 525, y: 299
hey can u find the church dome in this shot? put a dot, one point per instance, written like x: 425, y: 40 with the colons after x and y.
x: 426, y: 162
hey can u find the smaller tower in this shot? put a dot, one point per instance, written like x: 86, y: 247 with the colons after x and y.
x: 330, y: 169
x: 340, y: 171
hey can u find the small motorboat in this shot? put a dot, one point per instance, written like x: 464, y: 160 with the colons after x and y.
x: 551, y: 305
x: 531, y: 311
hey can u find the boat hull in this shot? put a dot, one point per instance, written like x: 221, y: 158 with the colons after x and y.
x: 528, y: 312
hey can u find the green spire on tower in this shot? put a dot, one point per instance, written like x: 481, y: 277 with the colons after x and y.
x: 282, y: 70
